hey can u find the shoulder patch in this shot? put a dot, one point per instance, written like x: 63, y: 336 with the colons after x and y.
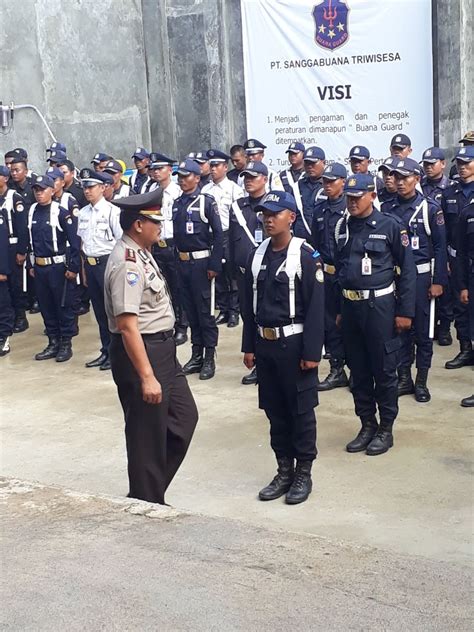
x: 405, y: 238
x: 19, y: 208
x: 440, y: 218
x: 130, y: 255
x: 132, y: 277
x: 319, y: 275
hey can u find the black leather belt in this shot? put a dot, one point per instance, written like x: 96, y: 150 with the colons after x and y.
x: 160, y: 335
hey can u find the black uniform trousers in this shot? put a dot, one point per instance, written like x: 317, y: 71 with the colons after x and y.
x: 460, y: 311
x: 288, y: 396
x: 371, y: 348
x: 166, y: 259
x: 227, y: 294
x: 195, y: 290
x: 55, y: 297
x: 419, y: 334
x: 81, y: 293
x: 332, y: 335
x: 7, y: 313
x: 95, y: 283
x: 19, y: 295
x: 157, y: 435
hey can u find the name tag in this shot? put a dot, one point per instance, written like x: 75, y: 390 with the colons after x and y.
x: 189, y: 228
x: 415, y: 242
x: 366, y: 266
x: 259, y: 236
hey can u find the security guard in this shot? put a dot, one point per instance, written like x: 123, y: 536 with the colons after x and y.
x: 71, y: 185
x: 7, y: 313
x: 63, y: 198
x: 199, y: 242
x: 160, y: 413
x: 56, y: 157
x: 246, y: 232
x: 309, y: 191
x: 255, y: 151
x: 369, y: 244
x: 388, y: 192
x: 100, y: 161
x: 289, y: 177
x: 99, y: 228
x: 239, y: 160
x: 467, y: 139
x: 326, y: 215
x: 360, y: 161
x: 51, y: 227
x: 201, y: 158
x: 454, y: 199
x: 56, y: 146
x: 140, y: 178
x: 400, y: 146
x: 423, y: 219
x: 283, y: 334
x: 225, y: 192
x: 465, y: 269
x: 116, y: 171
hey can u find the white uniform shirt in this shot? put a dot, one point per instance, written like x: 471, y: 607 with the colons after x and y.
x: 124, y: 191
x: 224, y: 193
x: 170, y: 193
x: 99, y: 228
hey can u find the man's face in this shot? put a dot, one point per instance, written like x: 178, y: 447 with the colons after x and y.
x: 239, y: 160
x: 150, y: 231
x: 94, y: 193
x: 109, y: 191
x: 258, y: 157
x: 406, y: 185
x: 295, y: 158
x: 43, y: 196
x: 68, y: 175
x: 359, y: 166
x: 141, y: 164
x: 58, y: 186
x: 188, y: 183
x: 8, y: 162
x: 389, y: 181
x: 205, y: 168
x: 161, y: 174
x: 465, y: 170
x: 333, y: 188
x: 255, y: 185
x: 401, y: 152
x: 218, y: 171
x: 434, y: 170
x: 18, y: 171
x: 278, y: 223
x: 100, y: 166
x: 314, y: 168
x: 360, y: 206
x: 117, y: 179
x: 3, y: 182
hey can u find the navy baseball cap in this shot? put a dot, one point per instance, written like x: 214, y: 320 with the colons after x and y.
x: 359, y: 184
x: 140, y: 153
x: 42, y: 182
x: 215, y: 156
x: 407, y: 167
x: 54, y: 172
x: 433, y: 154
x: 276, y: 201
x: 19, y: 151
x: 58, y: 147
x: 314, y: 154
x: 334, y: 171
x: 56, y: 155
x: 388, y: 164
x: 90, y: 178
x: 400, y: 140
x: 198, y: 156
x: 294, y: 148
x: 4, y: 171
x: 107, y: 178
x: 160, y: 160
x: 189, y: 166
x: 146, y: 204
x: 359, y: 152
x: 254, y: 146
x: 254, y: 169
x: 465, y: 154
x: 99, y: 158
x: 113, y: 166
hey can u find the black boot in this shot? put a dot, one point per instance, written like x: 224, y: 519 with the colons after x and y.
x: 444, y: 337
x: 337, y: 377
x: 194, y: 364
x: 180, y: 337
x: 382, y: 441
x: 51, y: 350
x: 464, y: 358
x: 34, y: 308
x: 209, y: 364
x: 251, y: 378
x: 21, y: 322
x: 4, y: 345
x: 222, y: 318
x: 65, y: 350
x: 365, y: 436
x: 302, y: 484
x: 233, y: 320
x: 467, y: 402
x: 422, y: 393
x: 405, y: 383
x: 282, y: 481
x: 97, y: 361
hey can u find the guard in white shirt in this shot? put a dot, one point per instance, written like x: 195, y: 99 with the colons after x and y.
x: 116, y: 171
x: 99, y: 228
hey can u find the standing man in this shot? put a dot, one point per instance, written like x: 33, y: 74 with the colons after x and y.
x: 225, y: 192
x: 369, y: 244
x: 160, y: 413
x: 283, y: 335
x: 201, y: 158
x: 255, y: 151
x: 309, y: 191
x: 400, y: 146
x: 116, y: 171
x: 466, y: 140
x: 56, y: 157
x: 239, y: 159
x: 388, y: 192
x: 7, y: 313
x: 100, y: 161
x: 434, y: 181
x: 71, y: 185
x: 99, y: 229
x: 199, y: 242
x: 140, y: 178
x: 289, y: 177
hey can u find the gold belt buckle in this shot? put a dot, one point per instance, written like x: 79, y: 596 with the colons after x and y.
x: 91, y: 261
x: 162, y: 243
x: 270, y: 333
x: 184, y: 256
x: 353, y: 295
x: 40, y: 261
x: 330, y: 269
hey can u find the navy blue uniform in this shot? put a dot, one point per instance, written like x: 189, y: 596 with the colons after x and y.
x: 434, y: 188
x: 465, y: 258
x: 386, y: 196
x: 17, y: 224
x: 7, y: 313
x: 370, y: 340
x: 287, y: 394
x: 193, y: 236
x: 295, y: 174
x: 425, y: 247
x: 54, y: 291
x: 311, y: 193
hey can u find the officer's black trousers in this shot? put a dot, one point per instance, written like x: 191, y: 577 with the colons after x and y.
x: 332, y: 334
x: 168, y: 264
x: 157, y: 435
x: 288, y: 396
x: 227, y: 295
x: 95, y: 283
x: 7, y: 313
x: 19, y: 295
x: 55, y: 296
x: 419, y: 334
x: 371, y: 347
x: 460, y: 311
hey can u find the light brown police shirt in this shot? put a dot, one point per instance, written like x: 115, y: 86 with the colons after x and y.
x: 134, y: 285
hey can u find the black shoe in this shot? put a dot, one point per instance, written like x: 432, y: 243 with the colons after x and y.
x: 444, y: 338
x: 65, y: 350
x: 422, y: 393
x: 365, y: 436
x: 35, y: 308
x: 382, y: 442
x: 97, y: 361
x: 467, y: 402
x: 180, y: 338
x: 337, y: 377
x: 51, y: 350
x: 222, y: 318
x: 327, y: 356
x: 302, y: 484
x: 405, y: 383
x: 464, y: 358
x: 21, y: 323
x: 233, y: 320
x: 83, y: 309
x: 105, y: 366
x: 194, y: 364
x: 209, y: 364
x: 251, y: 378
x: 281, y: 482
x: 4, y: 345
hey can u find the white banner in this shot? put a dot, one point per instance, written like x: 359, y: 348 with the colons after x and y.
x: 337, y: 73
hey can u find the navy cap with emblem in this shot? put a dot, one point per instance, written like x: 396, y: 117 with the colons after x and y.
x: 189, y: 166
x: 359, y: 152
x: 140, y: 153
x: 335, y: 171
x: 160, y: 160
x: 19, y: 151
x: 388, y: 163
x: 56, y: 155
x: 99, y: 157
x: 359, y: 184
x: 294, y: 148
x: 400, y: 140
x: 4, y: 171
x: 406, y: 167
x: 146, y: 204
x: 216, y: 157
x: 113, y: 166
x: 107, y: 177
x: 57, y: 147
x: 465, y: 154
x: 276, y: 201
x: 198, y: 156
x: 433, y: 154
x: 54, y: 172
x: 254, y: 146
x: 314, y: 154
x: 42, y: 182
x: 255, y: 168
x: 90, y: 178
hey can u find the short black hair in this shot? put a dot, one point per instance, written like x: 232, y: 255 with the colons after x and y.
x: 10, y: 154
x: 237, y: 149
x: 69, y: 164
x: 127, y: 219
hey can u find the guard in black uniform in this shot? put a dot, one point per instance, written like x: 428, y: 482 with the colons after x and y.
x: 7, y: 313
x: 289, y: 177
x: 239, y: 159
x: 199, y: 241
x: 201, y: 158
x: 309, y: 191
x: 283, y: 334
x: 140, y: 178
x: 466, y: 140
x: 388, y: 192
x: 369, y: 246
x: 326, y: 215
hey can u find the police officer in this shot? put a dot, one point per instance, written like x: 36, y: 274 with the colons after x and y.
x: 309, y: 191
x: 326, y: 215
x: 423, y: 219
x: 100, y: 161
x: 467, y: 139
x: 246, y: 231
x: 239, y: 160
x: 465, y: 269
x: 454, y: 199
x: 201, y: 158
x: 140, y: 178
x: 199, y: 242
x: 99, y: 228
x: 225, y: 192
x: 289, y: 177
x: 283, y: 334
x: 388, y: 192
x: 160, y: 413
x: 369, y: 244
x: 255, y: 151
x: 7, y: 232
x: 115, y: 169
x: 51, y: 227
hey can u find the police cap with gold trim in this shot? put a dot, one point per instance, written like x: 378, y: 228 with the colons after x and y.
x: 146, y: 204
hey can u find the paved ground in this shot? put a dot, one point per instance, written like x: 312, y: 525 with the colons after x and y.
x: 62, y: 425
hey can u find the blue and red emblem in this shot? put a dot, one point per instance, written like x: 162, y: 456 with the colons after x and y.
x: 331, y: 23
